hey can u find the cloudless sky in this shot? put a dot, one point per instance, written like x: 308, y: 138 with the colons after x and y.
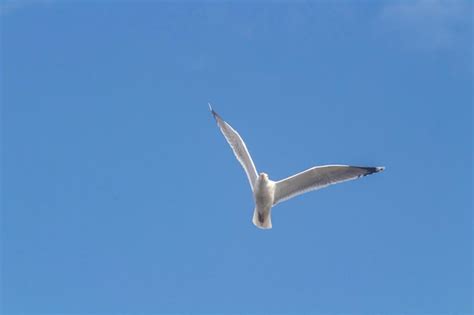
x: 120, y: 195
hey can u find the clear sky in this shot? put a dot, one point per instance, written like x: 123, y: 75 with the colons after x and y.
x: 120, y: 195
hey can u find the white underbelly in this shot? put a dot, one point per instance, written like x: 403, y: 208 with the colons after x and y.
x: 263, y: 195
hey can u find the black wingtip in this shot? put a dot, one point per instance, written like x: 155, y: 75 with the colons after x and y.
x: 373, y: 170
x: 214, y: 114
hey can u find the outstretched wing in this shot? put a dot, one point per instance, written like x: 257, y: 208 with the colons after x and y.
x: 238, y: 146
x: 319, y: 177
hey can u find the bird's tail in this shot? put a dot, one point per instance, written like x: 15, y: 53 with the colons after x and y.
x: 262, y: 220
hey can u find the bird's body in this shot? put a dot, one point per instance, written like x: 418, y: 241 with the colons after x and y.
x: 263, y: 194
x: 268, y: 193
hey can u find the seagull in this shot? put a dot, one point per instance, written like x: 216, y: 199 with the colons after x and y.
x: 268, y: 193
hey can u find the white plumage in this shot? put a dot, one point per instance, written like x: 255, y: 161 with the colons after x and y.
x: 268, y: 193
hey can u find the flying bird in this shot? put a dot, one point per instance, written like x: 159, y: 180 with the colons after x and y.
x: 267, y: 193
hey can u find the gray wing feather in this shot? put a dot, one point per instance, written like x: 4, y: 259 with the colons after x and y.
x: 238, y: 146
x: 319, y: 177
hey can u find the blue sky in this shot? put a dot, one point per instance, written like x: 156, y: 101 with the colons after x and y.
x: 120, y: 195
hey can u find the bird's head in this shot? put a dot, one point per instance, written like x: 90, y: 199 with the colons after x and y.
x: 263, y: 176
